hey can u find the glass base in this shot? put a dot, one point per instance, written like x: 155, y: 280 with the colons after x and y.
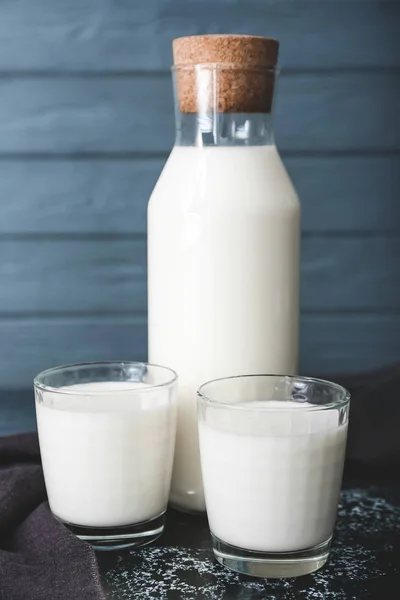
x: 118, y: 538
x: 274, y: 565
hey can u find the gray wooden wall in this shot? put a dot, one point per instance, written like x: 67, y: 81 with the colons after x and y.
x: 86, y: 122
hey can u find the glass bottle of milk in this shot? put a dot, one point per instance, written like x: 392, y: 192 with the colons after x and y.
x: 223, y: 235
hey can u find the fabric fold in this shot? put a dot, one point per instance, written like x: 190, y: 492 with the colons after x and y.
x: 39, y: 558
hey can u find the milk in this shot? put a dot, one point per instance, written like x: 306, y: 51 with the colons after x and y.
x: 223, y: 275
x: 272, y: 480
x: 107, y: 458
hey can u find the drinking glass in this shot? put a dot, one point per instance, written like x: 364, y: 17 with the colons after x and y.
x: 272, y: 452
x: 107, y: 435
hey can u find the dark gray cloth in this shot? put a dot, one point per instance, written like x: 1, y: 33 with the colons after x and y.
x: 39, y: 558
x: 374, y: 426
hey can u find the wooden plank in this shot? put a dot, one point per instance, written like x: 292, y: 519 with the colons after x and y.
x: 348, y: 343
x: 76, y: 196
x: 329, y: 344
x: 347, y: 193
x: 109, y: 35
x: 350, y: 273
x: 17, y: 411
x: 33, y: 345
x: 75, y: 275
x: 100, y: 196
x: 109, y: 276
x: 324, y: 112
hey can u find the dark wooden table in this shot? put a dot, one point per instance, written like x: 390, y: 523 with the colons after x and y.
x: 364, y: 562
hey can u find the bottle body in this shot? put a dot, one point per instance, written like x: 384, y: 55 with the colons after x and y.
x: 223, y: 279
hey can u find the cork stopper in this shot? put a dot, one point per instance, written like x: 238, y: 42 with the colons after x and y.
x: 225, y: 73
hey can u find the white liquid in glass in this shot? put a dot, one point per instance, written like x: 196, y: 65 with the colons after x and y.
x: 272, y: 481
x: 107, y: 458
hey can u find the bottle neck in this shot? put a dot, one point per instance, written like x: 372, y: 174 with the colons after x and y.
x: 224, y: 105
x: 224, y: 129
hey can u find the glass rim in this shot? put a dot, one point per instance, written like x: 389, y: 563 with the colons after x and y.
x: 343, y: 400
x: 38, y: 383
x: 225, y: 65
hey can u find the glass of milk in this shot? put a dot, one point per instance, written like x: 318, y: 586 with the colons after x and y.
x: 272, y: 452
x: 107, y: 435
